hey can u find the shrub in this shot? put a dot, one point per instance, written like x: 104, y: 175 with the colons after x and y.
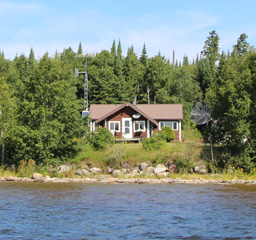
x: 167, y: 133
x: 102, y: 139
x: 184, y: 163
x: 154, y: 143
x: 26, y: 168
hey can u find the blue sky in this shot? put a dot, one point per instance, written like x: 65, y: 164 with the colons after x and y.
x: 163, y: 25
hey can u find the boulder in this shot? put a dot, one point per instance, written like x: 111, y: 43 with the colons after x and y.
x: 172, y: 168
x: 13, y: 168
x: 109, y: 169
x: 85, y: 172
x: 203, y: 171
x: 125, y: 170
x: 117, y: 173
x: 78, y: 172
x: 64, y: 168
x: 12, y: 179
x: 37, y: 176
x: 150, y: 170
x: 160, y: 168
x: 143, y: 167
x: 95, y: 170
x: 134, y: 173
x: 200, y: 168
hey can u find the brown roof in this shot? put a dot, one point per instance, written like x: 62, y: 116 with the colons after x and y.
x: 162, y: 111
x: 152, y: 112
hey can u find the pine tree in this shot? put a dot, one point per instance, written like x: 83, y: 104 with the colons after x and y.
x: 242, y: 46
x: 113, y: 48
x: 211, y: 47
x: 80, y: 49
x: 144, y: 57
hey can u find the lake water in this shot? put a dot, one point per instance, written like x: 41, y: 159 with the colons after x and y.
x: 129, y: 211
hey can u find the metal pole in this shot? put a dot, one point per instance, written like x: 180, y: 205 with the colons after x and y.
x: 86, y: 87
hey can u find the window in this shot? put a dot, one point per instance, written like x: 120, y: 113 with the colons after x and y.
x: 139, y: 126
x: 114, y: 126
x: 173, y: 125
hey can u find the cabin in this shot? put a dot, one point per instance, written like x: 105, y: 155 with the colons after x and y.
x: 128, y: 122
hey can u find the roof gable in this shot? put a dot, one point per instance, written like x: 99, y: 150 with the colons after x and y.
x: 119, y: 107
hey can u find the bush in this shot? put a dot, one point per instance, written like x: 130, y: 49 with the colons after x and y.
x: 156, y: 142
x: 26, y: 168
x: 184, y: 163
x: 168, y: 134
x: 102, y: 139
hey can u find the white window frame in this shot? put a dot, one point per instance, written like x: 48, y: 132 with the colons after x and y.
x: 169, y: 122
x: 139, y: 121
x: 115, y: 122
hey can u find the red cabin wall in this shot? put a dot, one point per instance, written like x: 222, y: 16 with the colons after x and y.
x: 127, y: 112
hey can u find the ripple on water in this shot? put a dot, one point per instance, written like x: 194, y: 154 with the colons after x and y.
x: 101, y: 211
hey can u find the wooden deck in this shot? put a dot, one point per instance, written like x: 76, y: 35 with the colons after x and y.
x: 128, y: 140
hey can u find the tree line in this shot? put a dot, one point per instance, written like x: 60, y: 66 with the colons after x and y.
x: 41, y: 100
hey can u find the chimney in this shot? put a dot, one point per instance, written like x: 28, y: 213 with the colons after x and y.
x: 135, y: 101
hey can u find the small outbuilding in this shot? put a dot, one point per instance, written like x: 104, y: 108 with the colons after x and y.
x: 130, y: 122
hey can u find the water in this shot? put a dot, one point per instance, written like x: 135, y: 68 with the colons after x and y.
x: 109, y: 211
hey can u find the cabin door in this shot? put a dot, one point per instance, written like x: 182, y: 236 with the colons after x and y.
x: 127, y: 127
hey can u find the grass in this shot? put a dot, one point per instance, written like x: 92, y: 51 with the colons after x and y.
x: 132, y: 154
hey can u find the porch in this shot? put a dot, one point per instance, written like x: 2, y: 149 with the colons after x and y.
x: 128, y: 140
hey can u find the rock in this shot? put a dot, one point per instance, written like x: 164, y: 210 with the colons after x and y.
x: 95, y: 171
x: 150, y: 170
x: 64, y: 168
x: 125, y: 170
x: 160, y: 168
x: 200, y: 168
x: 12, y: 168
x: 78, y: 172
x: 136, y: 170
x: 134, y: 173
x: 203, y: 171
x: 126, y: 166
x: 172, y: 168
x: 117, y: 173
x: 163, y: 174
x: 12, y: 179
x: 197, y: 169
x: 37, y: 176
x: 104, y: 177
x: 110, y: 170
x: 143, y: 167
x: 85, y: 172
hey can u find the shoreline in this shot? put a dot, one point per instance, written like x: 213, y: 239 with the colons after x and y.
x: 106, y: 179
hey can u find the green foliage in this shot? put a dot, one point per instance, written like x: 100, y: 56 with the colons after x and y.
x: 168, y: 133
x: 26, y: 168
x: 184, y: 163
x: 157, y: 141
x: 41, y: 100
x: 102, y: 139
x: 191, y: 134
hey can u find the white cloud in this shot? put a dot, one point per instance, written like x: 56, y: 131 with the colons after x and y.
x: 11, y: 7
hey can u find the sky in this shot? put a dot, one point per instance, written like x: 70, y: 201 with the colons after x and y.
x: 162, y: 25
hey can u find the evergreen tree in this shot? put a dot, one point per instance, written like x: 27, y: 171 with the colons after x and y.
x: 211, y: 47
x: 144, y: 57
x: 113, y: 48
x: 242, y: 47
x: 80, y: 49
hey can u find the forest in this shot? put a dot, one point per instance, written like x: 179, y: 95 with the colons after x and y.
x: 41, y: 100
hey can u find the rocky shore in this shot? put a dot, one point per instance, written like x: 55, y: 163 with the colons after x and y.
x: 143, y: 174
x: 107, y: 179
